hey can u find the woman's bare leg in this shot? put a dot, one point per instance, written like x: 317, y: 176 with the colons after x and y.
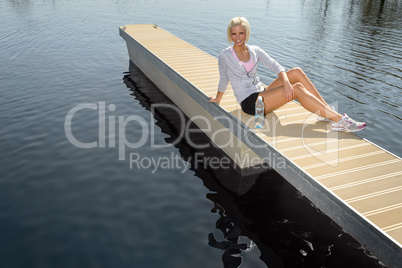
x: 273, y: 99
x: 296, y: 75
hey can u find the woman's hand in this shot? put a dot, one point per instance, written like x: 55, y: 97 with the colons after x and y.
x: 217, y: 99
x: 288, y: 91
x: 211, y: 100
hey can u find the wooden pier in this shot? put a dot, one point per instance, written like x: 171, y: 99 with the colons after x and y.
x: 353, y: 181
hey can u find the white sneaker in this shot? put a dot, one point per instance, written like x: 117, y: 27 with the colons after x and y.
x: 348, y: 124
x: 323, y: 119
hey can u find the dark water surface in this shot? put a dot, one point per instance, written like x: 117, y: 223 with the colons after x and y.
x: 65, y: 206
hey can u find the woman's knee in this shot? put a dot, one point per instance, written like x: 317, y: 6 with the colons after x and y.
x: 299, y: 88
x: 296, y: 74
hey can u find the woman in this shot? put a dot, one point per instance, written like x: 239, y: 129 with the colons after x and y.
x: 238, y: 65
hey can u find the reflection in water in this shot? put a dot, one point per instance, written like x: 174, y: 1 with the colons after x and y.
x: 377, y: 13
x: 287, y: 228
x: 231, y: 232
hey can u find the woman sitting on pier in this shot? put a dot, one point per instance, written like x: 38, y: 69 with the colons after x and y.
x: 238, y: 64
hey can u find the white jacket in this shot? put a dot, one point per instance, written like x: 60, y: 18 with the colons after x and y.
x: 244, y: 83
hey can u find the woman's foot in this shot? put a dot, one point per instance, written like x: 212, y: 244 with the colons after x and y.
x: 348, y: 124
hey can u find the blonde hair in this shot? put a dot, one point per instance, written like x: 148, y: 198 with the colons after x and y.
x: 236, y: 21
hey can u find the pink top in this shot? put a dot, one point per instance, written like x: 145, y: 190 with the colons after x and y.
x: 248, y: 65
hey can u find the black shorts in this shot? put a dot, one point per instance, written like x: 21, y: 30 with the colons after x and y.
x: 248, y: 104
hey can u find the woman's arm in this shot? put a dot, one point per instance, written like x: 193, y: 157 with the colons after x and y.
x: 288, y: 91
x: 269, y: 62
x: 223, y: 80
x: 274, y: 66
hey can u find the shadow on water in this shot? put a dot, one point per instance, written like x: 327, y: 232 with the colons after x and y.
x: 261, y: 209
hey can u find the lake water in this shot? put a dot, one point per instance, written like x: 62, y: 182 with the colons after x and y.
x: 64, y: 206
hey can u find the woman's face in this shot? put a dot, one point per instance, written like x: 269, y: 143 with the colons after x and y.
x: 238, y: 35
